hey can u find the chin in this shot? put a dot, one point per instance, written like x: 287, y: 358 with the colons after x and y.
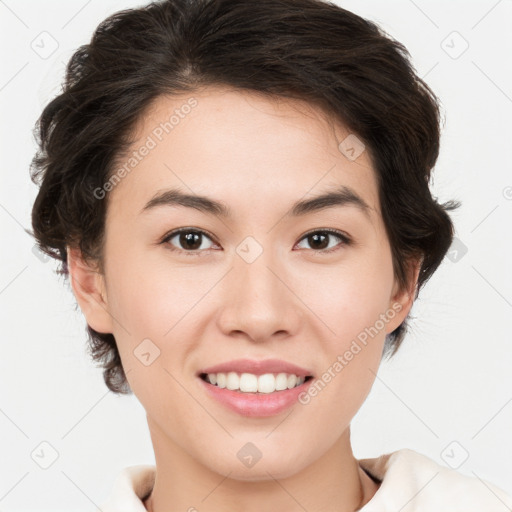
x: 278, y: 465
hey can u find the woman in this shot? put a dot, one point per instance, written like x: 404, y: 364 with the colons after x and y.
x: 239, y: 194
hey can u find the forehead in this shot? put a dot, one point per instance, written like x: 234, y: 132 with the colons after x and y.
x: 243, y: 148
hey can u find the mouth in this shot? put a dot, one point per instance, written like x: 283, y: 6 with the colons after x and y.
x: 244, y: 383
x: 255, y: 396
x: 255, y: 388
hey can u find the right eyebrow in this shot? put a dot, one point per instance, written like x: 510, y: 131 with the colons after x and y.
x: 173, y: 197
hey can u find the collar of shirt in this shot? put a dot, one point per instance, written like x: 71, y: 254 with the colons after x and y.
x: 409, y: 482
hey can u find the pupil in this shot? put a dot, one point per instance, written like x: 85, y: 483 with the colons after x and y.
x: 316, y: 238
x: 190, y: 240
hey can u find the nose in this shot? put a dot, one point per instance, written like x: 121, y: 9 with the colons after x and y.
x: 258, y: 301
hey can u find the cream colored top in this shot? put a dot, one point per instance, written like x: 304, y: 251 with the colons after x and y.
x: 409, y: 482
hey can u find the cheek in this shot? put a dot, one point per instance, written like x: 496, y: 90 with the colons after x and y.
x: 354, y: 306
x: 149, y: 297
x: 350, y: 298
x: 153, y: 310
x: 158, y: 308
x: 352, y: 351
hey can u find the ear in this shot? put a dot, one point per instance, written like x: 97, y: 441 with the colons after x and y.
x: 402, y: 300
x: 88, y: 286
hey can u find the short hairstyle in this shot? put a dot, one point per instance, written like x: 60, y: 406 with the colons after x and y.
x: 310, y: 50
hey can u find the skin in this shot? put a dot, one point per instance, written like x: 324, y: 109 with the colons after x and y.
x: 258, y: 156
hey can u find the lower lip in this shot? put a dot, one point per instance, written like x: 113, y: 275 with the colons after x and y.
x: 256, y: 404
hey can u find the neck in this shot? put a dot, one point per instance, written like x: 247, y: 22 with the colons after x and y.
x: 332, y: 483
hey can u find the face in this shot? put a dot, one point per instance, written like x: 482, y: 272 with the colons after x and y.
x: 309, y: 286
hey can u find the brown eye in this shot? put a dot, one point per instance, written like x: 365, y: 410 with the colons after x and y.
x: 319, y: 240
x: 325, y: 240
x: 188, y: 240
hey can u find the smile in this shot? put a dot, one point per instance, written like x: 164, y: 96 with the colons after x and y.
x: 251, y: 383
x: 255, y: 404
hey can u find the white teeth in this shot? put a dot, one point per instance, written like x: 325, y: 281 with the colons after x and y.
x: 266, y: 383
x: 232, y: 381
x: 221, y: 379
x: 281, y: 382
x: 292, y: 381
x: 250, y: 383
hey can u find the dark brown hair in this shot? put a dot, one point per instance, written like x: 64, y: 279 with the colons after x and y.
x: 308, y: 50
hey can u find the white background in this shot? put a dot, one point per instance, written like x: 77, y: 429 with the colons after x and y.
x: 450, y: 381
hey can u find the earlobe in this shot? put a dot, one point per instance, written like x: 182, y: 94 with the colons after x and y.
x: 88, y: 286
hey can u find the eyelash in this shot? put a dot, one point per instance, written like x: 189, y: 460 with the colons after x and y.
x: 345, y: 240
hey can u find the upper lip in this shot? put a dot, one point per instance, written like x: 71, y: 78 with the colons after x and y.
x: 257, y: 367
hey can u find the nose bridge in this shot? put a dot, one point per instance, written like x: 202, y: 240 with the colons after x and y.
x: 253, y: 262
x: 258, y: 281
x: 257, y: 300
x: 256, y: 270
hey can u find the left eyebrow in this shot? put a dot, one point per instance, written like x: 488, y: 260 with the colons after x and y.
x: 343, y: 196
